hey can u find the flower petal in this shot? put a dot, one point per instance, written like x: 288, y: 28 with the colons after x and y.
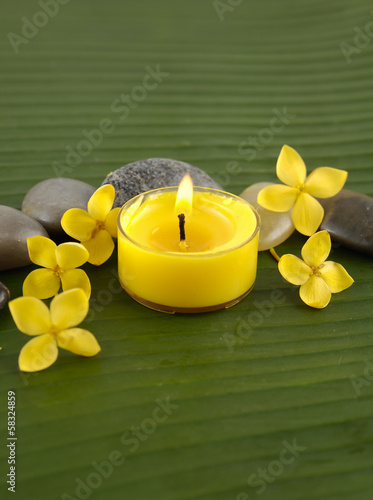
x: 76, y: 278
x: 315, y: 292
x: 290, y: 167
x: 78, y: 341
x: 39, y: 353
x: 307, y: 214
x: 325, y: 182
x: 71, y: 255
x: 41, y: 283
x: 317, y: 248
x: 335, y: 276
x: 111, y: 224
x: 278, y: 198
x: 293, y: 269
x: 42, y: 251
x: 100, y: 247
x: 30, y: 315
x: 69, y: 308
x: 101, y: 202
x: 78, y: 224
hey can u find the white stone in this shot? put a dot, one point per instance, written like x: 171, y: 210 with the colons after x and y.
x: 276, y: 227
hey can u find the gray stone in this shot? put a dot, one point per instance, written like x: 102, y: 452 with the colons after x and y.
x: 154, y: 173
x: 349, y: 220
x: 275, y: 227
x: 15, y: 228
x: 47, y: 201
x: 4, y: 296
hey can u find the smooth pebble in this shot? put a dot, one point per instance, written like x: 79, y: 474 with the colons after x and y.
x: 276, y: 227
x: 349, y: 220
x: 4, y: 295
x: 47, y: 201
x: 154, y: 173
x: 15, y: 228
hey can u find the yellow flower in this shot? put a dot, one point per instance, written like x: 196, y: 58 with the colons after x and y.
x: 299, y: 191
x: 52, y: 328
x: 97, y: 228
x: 318, y: 279
x: 59, y: 263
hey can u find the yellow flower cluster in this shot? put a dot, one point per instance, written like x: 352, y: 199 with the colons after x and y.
x: 317, y: 279
x: 56, y: 327
x: 95, y: 229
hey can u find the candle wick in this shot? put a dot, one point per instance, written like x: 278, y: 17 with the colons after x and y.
x: 182, y: 226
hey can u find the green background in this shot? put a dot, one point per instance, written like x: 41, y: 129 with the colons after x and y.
x: 293, y: 377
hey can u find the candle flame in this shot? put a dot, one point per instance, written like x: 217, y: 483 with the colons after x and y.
x: 184, y: 197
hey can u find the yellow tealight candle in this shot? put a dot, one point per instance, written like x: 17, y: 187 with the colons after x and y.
x: 187, y: 250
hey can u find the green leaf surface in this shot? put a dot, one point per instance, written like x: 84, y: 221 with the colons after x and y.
x: 246, y: 383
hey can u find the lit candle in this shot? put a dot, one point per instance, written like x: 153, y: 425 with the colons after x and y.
x: 187, y: 250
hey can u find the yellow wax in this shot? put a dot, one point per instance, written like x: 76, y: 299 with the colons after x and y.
x: 214, y: 267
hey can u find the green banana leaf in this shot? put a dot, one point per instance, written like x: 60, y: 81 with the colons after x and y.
x: 267, y: 398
